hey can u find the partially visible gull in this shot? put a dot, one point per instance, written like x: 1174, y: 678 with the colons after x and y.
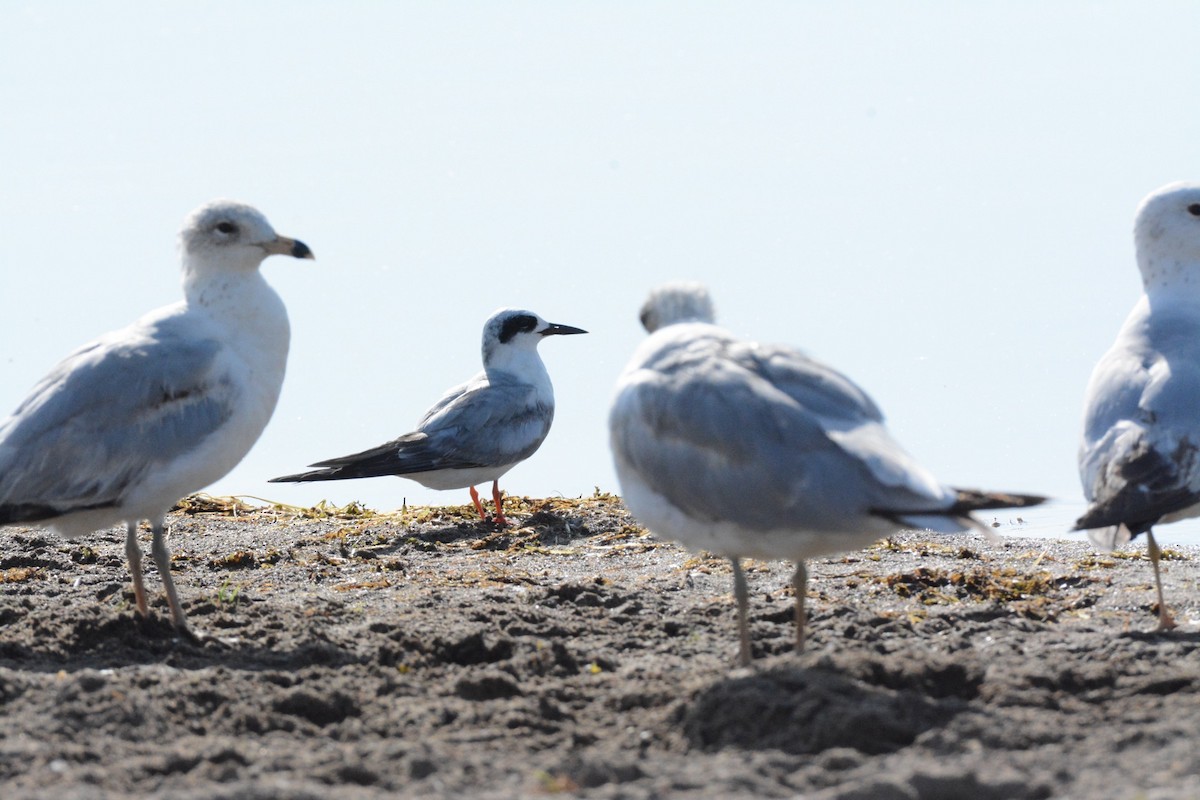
x: 479, y: 430
x: 128, y: 424
x: 752, y: 450
x: 1141, y: 427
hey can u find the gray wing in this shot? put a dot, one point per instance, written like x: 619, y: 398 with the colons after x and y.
x: 765, y: 437
x: 105, y: 415
x: 482, y: 423
x: 500, y: 421
x: 1140, y: 456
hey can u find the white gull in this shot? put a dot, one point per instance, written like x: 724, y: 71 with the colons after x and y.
x: 128, y: 424
x: 1138, y: 460
x: 752, y: 450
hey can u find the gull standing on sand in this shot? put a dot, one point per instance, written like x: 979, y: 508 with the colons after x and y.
x: 479, y: 430
x: 128, y: 424
x: 752, y: 450
x: 1141, y: 428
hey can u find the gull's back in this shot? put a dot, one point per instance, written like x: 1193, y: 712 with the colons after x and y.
x: 759, y: 437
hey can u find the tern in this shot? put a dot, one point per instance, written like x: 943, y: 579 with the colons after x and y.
x: 479, y: 430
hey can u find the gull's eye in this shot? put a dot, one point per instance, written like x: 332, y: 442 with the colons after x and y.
x: 1194, y: 209
x: 229, y: 227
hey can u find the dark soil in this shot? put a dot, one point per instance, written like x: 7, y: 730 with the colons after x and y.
x: 428, y: 655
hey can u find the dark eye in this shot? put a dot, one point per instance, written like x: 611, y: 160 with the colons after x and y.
x: 1194, y: 209
x: 229, y: 227
x: 521, y: 323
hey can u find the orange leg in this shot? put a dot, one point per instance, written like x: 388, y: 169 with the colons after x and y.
x: 478, y: 505
x: 498, y: 497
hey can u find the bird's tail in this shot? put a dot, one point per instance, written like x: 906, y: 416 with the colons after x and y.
x: 957, y: 518
x: 313, y: 475
x: 969, y: 500
x: 16, y: 513
x: 1110, y: 537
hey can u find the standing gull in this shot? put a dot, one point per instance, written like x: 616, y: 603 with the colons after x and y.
x: 479, y: 430
x: 752, y: 450
x: 1141, y: 426
x: 131, y: 422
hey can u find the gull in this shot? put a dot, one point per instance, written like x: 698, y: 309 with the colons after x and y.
x: 1141, y: 427
x: 126, y: 425
x: 479, y: 430
x: 753, y: 450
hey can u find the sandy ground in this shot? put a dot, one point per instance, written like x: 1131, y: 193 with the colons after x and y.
x: 431, y: 656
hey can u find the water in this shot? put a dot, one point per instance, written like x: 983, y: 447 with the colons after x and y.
x: 1054, y: 520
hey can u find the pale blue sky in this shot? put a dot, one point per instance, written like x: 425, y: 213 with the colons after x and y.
x: 936, y: 198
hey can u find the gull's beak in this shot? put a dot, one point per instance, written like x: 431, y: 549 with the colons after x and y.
x: 284, y: 246
x: 554, y: 329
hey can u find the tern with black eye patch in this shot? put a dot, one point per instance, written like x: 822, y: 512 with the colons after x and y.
x: 479, y: 430
x: 128, y: 424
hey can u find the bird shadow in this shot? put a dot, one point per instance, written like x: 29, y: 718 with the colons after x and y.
x: 544, y: 527
x: 1162, y: 637
x: 807, y: 709
x: 104, y: 639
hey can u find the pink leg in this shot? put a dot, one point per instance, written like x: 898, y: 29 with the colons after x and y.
x: 498, y: 497
x: 478, y: 505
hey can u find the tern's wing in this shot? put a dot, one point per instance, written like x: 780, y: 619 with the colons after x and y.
x: 482, y: 423
x: 107, y: 414
x: 761, y: 436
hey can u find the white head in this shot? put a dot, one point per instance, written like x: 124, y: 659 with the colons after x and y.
x: 677, y: 302
x: 510, y: 334
x: 1166, y: 233
x: 228, y: 236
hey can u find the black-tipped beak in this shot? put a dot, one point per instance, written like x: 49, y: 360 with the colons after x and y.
x: 554, y: 329
x: 285, y: 246
x: 301, y: 250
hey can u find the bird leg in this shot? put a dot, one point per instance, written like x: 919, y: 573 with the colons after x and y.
x: 800, y: 581
x: 498, y: 497
x: 134, y: 553
x: 742, y: 594
x: 478, y: 505
x: 162, y: 558
x: 1166, y: 622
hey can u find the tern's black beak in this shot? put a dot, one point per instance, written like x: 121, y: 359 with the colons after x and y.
x: 554, y: 329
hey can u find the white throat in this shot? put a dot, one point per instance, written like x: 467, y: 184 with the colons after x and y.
x: 242, y: 302
x: 523, y: 363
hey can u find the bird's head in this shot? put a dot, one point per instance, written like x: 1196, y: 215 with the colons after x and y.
x: 227, y: 235
x: 1167, y: 235
x: 677, y: 302
x: 510, y: 332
